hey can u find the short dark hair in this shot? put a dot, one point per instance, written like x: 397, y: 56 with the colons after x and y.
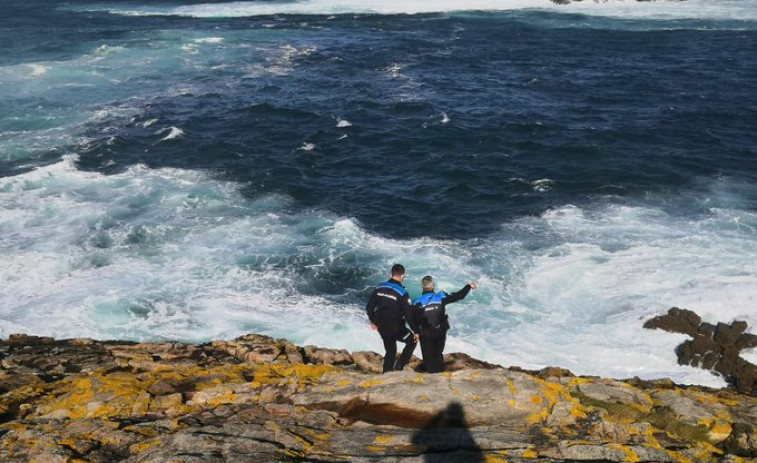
x: 427, y: 281
x: 397, y: 270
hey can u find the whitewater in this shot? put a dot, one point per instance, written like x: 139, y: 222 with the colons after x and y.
x: 623, y: 9
x: 198, y: 171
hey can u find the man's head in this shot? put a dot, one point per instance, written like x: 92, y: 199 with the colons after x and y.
x: 398, y: 272
x: 427, y: 283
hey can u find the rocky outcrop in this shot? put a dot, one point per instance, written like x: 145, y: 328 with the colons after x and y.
x: 713, y: 347
x: 258, y: 399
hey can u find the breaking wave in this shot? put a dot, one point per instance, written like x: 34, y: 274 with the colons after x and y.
x: 173, y: 254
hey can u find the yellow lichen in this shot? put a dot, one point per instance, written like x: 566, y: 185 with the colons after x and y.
x: 720, y: 431
x: 383, y: 438
x: 641, y: 408
x: 678, y: 457
x: 529, y: 454
x: 375, y: 448
x: 630, y: 454
x: 577, y: 410
x: 490, y: 458
x: 372, y: 382
x: 707, y: 451
x: 323, y: 437
x: 536, y: 418
x: 79, y: 445
x: 511, y: 386
x: 142, y: 446
x: 308, y: 447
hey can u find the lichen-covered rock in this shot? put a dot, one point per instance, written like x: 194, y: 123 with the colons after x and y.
x: 258, y: 399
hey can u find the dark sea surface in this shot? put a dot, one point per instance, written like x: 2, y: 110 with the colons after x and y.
x: 193, y: 171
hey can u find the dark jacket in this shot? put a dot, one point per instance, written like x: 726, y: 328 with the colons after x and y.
x: 431, y: 313
x: 390, y: 307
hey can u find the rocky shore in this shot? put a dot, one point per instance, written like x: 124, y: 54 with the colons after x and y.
x: 259, y: 399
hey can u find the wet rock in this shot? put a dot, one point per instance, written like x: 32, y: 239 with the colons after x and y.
x: 715, y: 348
x: 677, y: 321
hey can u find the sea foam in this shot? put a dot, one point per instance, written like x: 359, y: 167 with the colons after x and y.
x: 173, y: 254
x: 629, y: 9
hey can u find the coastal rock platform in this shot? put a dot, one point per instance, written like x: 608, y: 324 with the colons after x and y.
x: 259, y: 399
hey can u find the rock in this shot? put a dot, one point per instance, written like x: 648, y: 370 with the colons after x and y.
x: 258, y: 399
x: 318, y: 356
x: 615, y: 392
x: 24, y: 339
x: 368, y: 362
x: 676, y: 321
x: 554, y: 373
x: 458, y: 361
x: 713, y: 348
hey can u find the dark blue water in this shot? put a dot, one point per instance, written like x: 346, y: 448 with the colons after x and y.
x: 199, y: 170
x: 632, y: 114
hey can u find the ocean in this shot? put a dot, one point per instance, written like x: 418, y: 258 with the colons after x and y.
x: 193, y: 171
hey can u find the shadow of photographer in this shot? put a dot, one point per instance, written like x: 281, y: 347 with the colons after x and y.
x: 446, y: 438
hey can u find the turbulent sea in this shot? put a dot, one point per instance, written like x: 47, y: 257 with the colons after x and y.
x: 195, y: 171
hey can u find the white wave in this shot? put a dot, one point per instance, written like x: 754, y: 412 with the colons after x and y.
x: 541, y: 185
x: 211, y: 40
x: 37, y: 70
x: 307, y: 146
x: 173, y: 132
x: 394, y: 70
x: 104, y: 50
x: 173, y: 254
x: 342, y: 123
x: 632, y: 9
x: 192, y: 49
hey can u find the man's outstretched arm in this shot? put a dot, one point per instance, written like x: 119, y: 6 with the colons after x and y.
x: 459, y: 295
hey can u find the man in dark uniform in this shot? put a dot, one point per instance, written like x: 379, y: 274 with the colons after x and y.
x: 389, y: 308
x: 431, y: 314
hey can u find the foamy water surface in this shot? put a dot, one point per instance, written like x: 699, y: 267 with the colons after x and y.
x: 201, y: 171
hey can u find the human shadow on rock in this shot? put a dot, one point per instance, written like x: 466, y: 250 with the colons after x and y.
x: 446, y: 438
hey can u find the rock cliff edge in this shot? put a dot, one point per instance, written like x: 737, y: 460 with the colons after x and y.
x: 258, y: 399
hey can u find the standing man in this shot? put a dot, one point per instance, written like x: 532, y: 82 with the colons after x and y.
x: 432, y: 317
x: 389, y: 308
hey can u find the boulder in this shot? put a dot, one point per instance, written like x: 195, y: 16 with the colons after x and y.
x: 715, y: 348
